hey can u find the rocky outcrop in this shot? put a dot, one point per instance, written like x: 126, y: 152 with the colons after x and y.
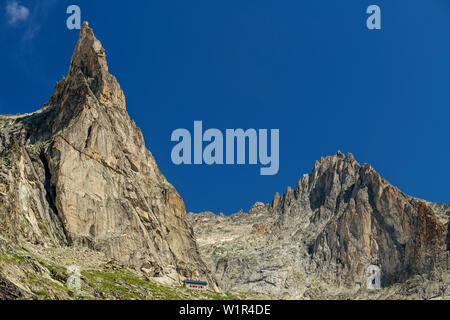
x: 77, y: 173
x: 8, y: 290
x: 341, y: 218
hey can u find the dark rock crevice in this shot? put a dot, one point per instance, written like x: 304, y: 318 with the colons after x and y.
x: 448, y: 237
x: 9, y: 291
x: 88, y: 137
x: 50, y: 193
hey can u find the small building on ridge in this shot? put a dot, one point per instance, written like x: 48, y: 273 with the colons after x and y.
x: 195, y: 285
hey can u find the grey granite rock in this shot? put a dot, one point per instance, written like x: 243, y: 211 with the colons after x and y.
x: 340, y: 219
x: 77, y: 173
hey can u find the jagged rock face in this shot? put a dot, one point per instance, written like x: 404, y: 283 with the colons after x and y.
x: 364, y: 220
x: 77, y: 172
x: 340, y: 219
x: 9, y: 291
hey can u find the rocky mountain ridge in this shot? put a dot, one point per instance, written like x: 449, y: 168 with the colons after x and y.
x: 342, y: 218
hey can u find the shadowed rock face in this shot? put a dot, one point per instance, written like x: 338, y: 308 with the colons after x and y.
x: 340, y: 219
x: 8, y: 290
x: 77, y: 173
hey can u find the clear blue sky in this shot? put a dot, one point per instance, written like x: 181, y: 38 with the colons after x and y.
x: 310, y: 68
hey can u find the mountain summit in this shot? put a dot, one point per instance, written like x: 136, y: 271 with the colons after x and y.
x: 342, y: 221
x: 77, y: 173
x: 89, y: 65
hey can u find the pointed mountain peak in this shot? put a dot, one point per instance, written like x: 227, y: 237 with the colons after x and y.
x: 339, y: 154
x: 335, y: 162
x: 88, y: 67
x: 89, y: 55
x: 349, y: 156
